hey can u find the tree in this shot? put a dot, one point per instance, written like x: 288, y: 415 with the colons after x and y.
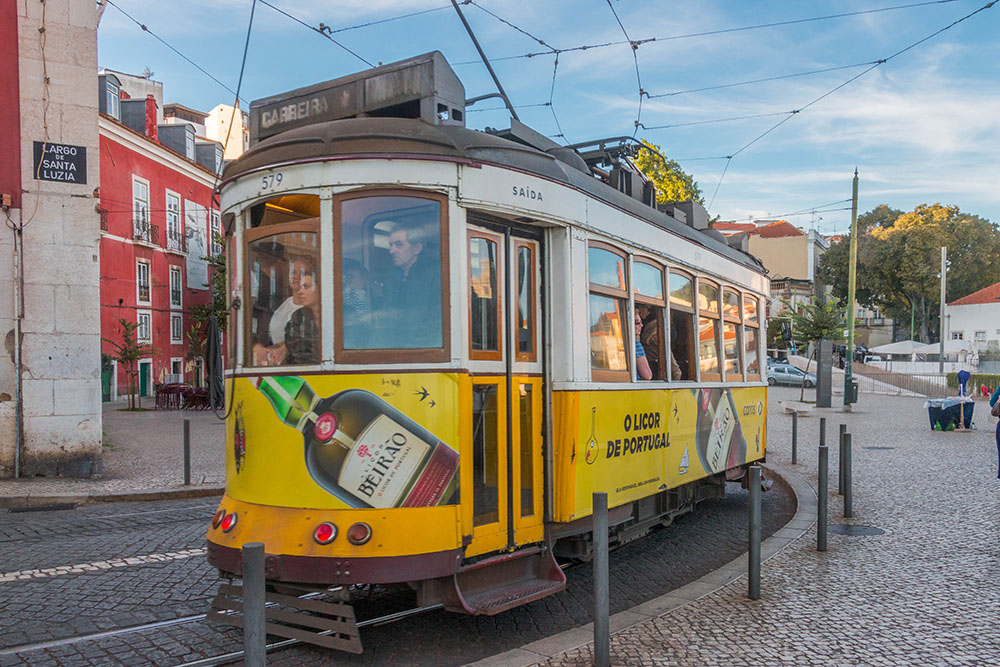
x: 672, y: 183
x: 218, y: 308
x: 127, y: 352
x: 899, y: 261
x: 816, y: 321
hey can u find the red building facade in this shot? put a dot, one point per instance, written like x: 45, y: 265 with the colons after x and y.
x: 157, y: 220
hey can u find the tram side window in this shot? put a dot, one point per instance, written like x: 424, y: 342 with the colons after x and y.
x: 731, y: 344
x: 284, y: 297
x: 390, y: 274
x: 708, y: 330
x: 682, y: 346
x: 647, y: 287
x: 608, y: 306
x: 751, y: 339
x: 484, y: 296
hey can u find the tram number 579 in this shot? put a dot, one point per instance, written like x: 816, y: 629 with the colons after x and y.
x: 270, y: 181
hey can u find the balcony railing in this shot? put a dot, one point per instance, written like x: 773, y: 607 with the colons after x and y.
x: 145, y: 232
x: 175, y: 297
x: 104, y: 219
x: 176, y: 241
x: 143, y: 293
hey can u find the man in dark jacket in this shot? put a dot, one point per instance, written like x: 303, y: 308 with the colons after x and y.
x: 414, y: 290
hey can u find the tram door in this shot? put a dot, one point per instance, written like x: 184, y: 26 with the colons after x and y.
x: 505, y: 334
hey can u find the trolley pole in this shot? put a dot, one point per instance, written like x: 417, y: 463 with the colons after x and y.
x: 254, y: 636
x: 821, y: 492
x: 602, y: 638
x: 795, y: 437
x: 187, y: 452
x: 753, y: 553
x: 851, y: 280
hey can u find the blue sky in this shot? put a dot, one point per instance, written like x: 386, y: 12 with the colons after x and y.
x: 921, y: 128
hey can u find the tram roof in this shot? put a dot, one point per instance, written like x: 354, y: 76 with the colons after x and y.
x: 373, y: 136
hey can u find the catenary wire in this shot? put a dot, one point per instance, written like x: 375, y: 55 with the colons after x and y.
x: 635, y: 59
x: 318, y: 31
x: 146, y: 29
x: 764, y: 80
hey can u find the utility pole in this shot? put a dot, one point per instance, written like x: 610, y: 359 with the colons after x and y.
x: 944, y: 285
x: 851, y: 278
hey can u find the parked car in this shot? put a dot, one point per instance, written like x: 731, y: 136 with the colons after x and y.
x: 788, y: 374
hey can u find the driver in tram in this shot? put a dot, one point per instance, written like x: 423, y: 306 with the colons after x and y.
x: 414, y: 288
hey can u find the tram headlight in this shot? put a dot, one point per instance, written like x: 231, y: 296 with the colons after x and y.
x: 325, y: 533
x: 228, y: 522
x: 217, y: 519
x: 359, y: 534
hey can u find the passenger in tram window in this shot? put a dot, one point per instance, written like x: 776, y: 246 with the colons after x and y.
x: 357, y: 304
x: 271, y: 352
x: 414, y: 290
x: 642, y: 369
x: 681, y: 338
x: 302, y: 339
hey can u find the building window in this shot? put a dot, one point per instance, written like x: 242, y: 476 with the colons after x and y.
x: 142, y: 282
x: 958, y: 335
x: 175, y: 287
x: 608, y: 305
x: 189, y: 143
x: 176, y: 328
x: 114, y: 94
x: 140, y: 209
x: 175, y: 239
x: 144, y: 332
x: 218, y: 159
x: 980, y: 336
x: 216, y: 232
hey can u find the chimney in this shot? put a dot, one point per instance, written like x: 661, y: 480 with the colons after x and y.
x: 150, y: 117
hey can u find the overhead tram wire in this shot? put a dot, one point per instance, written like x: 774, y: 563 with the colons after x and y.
x: 635, y: 59
x: 877, y: 63
x: 146, y: 29
x: 318, y: 31
x: 716, y: 120
x: 764, y: 80
x: 723, y: 31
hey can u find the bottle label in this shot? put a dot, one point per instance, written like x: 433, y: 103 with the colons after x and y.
x: 723, y: 424
x: 384, y: 460
x: 434, y: 480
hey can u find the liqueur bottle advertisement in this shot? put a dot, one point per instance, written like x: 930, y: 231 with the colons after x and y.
x: 356, y: 449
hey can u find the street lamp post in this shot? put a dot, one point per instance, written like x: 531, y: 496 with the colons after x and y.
x: 944, y: 284
x: 851, y: 277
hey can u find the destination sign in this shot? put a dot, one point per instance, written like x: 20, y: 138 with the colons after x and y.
x: 60, y: 162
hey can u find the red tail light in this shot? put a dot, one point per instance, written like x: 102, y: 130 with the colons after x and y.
x: 228, y: 522
x: 325, y: 533
x: 359, y: 534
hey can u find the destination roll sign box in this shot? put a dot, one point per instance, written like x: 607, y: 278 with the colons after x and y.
x: 60, y: 162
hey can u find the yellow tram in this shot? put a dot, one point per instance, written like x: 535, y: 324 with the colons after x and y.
x: 441, y: 339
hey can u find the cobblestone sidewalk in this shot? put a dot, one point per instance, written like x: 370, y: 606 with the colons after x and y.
x: 924, y: 592
x: 143, y: 458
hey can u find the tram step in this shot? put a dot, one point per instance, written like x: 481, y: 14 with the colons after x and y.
x: 505, y: 583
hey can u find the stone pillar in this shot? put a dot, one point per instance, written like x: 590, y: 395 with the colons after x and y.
x: 824, y: 375
x: 59, y: 348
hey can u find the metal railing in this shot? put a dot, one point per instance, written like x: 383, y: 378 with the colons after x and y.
x: 145, y: 232
x: 176, y: 241
x: 877, y: 381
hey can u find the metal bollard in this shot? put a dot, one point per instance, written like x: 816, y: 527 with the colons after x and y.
x: 187, y: 452
x: 840, y: 465
x: 848, y: 492
x: 822, y: 431
x: 602, y: 637
x: 753, y: 553
x: 821, y: 492
x: 795, y: 437
x: 254, y: 636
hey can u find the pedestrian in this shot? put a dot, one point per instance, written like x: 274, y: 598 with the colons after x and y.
x: 993, y: 400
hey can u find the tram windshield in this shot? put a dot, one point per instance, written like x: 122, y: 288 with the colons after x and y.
x: 390, y: 273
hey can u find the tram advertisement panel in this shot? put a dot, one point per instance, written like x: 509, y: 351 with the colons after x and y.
x: 345, y: 441
x: 632, y: 444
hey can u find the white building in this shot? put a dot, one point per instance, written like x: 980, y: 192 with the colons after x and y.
x: 976, y: 318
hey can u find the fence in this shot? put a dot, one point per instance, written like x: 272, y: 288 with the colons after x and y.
x: 879, y: 381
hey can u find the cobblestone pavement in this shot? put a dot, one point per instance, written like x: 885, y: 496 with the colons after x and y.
x: 154, y: 570
x: 922, y: 593
x: 143, y: 453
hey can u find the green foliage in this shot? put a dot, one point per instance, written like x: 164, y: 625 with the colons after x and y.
x: 818, y: 320
x: 672, y: 183
x: 218, y: 308
x: 127, y: 352
x: 899, y: 259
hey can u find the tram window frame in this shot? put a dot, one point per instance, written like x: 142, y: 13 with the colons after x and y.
x: 532, y: 355
x: 713, y: 318
x: 621, y: 297
x: 657, y: 307
x: 736, y: 322
x: 303, y: 226
x: 498, y: 286
x: 752, y: 325
x: 392, y: 355
x: 688, y: 311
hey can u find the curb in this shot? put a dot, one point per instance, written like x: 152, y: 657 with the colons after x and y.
x: 568, y: 640
x: 16, y: 502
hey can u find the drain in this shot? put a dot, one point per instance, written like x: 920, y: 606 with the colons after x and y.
x: 879, y: 448
x: 852, y: 529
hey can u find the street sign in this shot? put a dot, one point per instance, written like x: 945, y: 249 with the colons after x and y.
x: 60, y: 162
